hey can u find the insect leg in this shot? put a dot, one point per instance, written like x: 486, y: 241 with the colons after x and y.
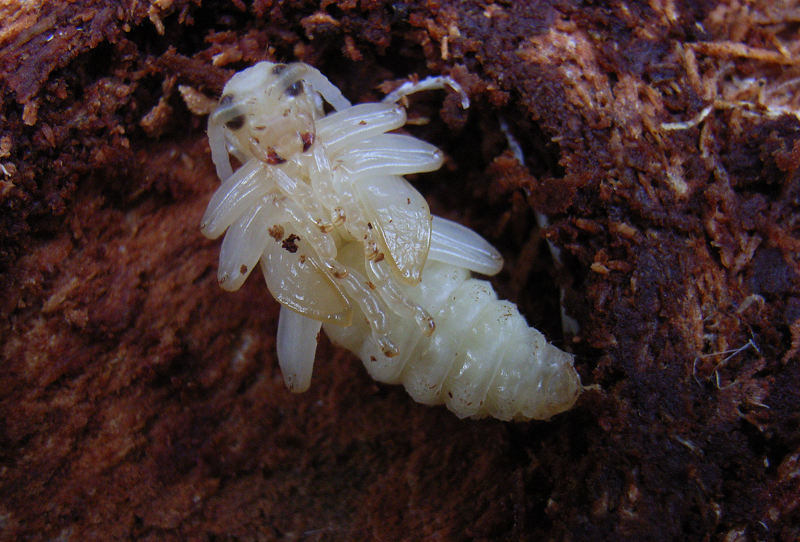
x: 239, y: 191
x: 244, y: 243
x: 341, y: 129
x: 371, y: 305
x: 396, y: 300
x: 296, y: 345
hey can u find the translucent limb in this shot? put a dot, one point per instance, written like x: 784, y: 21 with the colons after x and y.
x: 319, y: 170
x: 339, y: 130
x: 370, y: 304
x: 297, y: 345
x: 239, y: 192
x: 396, y: 300
x: 243, y: 245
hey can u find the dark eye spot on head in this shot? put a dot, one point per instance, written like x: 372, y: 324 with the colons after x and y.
x: 295, y: 88
x: 235, y: 123
x: 226, y: 100
x: 277, y: 69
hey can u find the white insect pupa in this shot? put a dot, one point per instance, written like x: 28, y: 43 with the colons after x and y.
x: 345, y: 242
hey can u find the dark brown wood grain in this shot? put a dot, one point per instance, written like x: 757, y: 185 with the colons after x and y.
x: 140, y: 401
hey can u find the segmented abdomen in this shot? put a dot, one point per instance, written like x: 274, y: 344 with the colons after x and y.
x: 483, y: 359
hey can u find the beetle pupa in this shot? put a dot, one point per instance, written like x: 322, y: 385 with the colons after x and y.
x: 345, y: 243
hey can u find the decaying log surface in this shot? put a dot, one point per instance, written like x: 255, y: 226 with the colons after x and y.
x: 138, y: 400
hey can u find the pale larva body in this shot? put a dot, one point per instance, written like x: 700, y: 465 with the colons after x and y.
x: 345, y: 241
x: 482, y: 360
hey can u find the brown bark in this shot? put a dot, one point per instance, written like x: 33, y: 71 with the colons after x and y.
x: 138, y: 400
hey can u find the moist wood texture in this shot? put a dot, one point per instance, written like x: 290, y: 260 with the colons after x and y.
x: 138, y: 400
